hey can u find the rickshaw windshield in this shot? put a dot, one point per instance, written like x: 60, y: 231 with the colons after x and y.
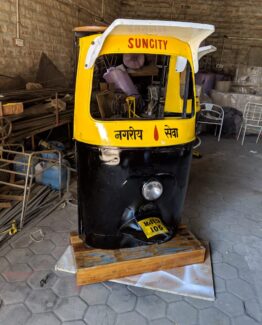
x: 141, y: 86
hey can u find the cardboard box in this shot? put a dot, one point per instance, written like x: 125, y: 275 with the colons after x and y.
x: 11, y: 109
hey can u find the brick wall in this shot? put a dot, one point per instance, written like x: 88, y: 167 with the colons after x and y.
x: 46, y: 26
x: 237, y: 18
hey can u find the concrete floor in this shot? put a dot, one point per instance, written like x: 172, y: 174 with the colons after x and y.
x: 224, y: 206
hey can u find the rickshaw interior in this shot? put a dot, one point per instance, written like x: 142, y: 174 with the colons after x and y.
x: 141, y: 86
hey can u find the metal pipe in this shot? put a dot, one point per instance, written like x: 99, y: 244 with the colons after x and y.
x: 12, y: 185
x: 13, y: 172
x: 17, y: 20
x: 15, y: 152
x: 25, y: 197
x: 102, y: 9
x: 13, y: 162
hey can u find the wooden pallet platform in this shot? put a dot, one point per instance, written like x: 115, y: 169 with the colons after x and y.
x: 97, y: 265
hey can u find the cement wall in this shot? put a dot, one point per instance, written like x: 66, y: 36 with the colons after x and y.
x: 46, y: 26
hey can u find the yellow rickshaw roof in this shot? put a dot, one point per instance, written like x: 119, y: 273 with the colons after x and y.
x: 190, y: 33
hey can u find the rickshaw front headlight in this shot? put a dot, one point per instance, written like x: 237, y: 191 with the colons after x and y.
x: 152, y: 190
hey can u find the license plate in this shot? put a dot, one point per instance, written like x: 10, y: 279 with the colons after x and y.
x: 152, y: 227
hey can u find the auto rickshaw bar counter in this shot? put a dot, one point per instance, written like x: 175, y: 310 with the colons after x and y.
x: 135, y: 116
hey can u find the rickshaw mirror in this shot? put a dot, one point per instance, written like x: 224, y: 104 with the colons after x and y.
x: 180, y: 64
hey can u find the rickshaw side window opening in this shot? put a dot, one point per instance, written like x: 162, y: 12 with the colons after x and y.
x: 187, y: 91
x: 134, y: 86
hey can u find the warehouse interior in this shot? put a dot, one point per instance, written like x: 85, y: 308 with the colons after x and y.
x: 64, y: 176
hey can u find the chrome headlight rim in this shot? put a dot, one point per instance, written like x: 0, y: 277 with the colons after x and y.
x: 152, y: 190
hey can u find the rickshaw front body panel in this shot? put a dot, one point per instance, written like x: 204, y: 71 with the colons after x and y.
x: 111, y: 191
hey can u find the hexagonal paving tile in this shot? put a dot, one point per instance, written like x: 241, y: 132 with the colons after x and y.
x: 121, y: 299
x: 244, y: 320
x: 2, y: 282
x: 36, y: 277
x: 111, y: 285
x: 246, y: 275
x: 199, y: 303
x: 46, y: 231
x: 216, y: 257
x: 130, y: 318
x: 225, y: 271
x: 19, y: 255
x: 22, y: 242
x: 253, y: 309
x: 219, y: 284
x: 60, y: 239
x: 151, y: 307
x: 161, y: 321
x: 95, y: 294
x: 3, y: 264
x: 182, y: 313
x: 229, y: 236
x: 240, y: 248
x: 217, y: 225
x: 74, y: 322
x: 40, y: 301
x: 17, y: 272
x: 14, y: 314
x: 4, y: 250
x: 222, y: 246
x: 139, y: 292
x: 100, y: 314
x: 43, y: 319
x: 62, y: 226
x: 63, y: 212
x: 66, y: 287
x: 229, y: 304
x: 235, y: 259
x: 73, y: 220
x: 46, y: 222
x: 58, y: 252
x: 240, y: 288
x: 42, y: 262
x: 13, y: 293
x: 72, y: 308
x: 257, y: 231
x: 213, y: 316
x: 44, y: 247
x: 168, y: 297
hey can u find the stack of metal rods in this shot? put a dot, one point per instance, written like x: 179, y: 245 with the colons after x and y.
x: 23, y: 128
x: 43, y: 200
x: 41, y: 111
x: 27, y: 96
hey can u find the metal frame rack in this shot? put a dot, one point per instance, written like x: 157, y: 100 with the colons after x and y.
x: 28, y: 160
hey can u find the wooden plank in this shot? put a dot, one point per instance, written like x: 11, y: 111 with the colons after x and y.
x: 90, y: 29
x: 11, y: 197
x: 145, y: 71
x: 122, y: 269
x: 5, y: 205
x: 12, y: 108
x: 97, y: 265
x: 75, y: 239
